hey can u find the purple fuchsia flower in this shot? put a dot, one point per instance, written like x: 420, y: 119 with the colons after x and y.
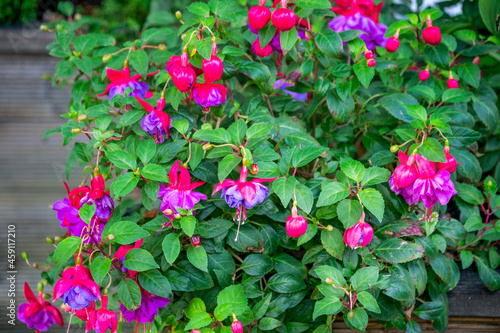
x: 122, y: 251
x: 103, y: 319
x: 360, y: 235
x: 401, y: 181
x: 150, y: 304
x: 373, y: 32
x: 121, y: 80
x: 209, y: 94
x: 68, y: 209
x: 242, y: 194
x: 156, y: 123
x: 284, y: 83
x: 38, y: 313
x: 97, y: 195
x: 76, y: 288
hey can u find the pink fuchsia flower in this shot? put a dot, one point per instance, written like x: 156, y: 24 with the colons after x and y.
x: 157, y: 123
x: 236, y: 326
x: 392, y: 44
x: 451, y: 163
x: 76, y: 288
x: 284, y: 83
x: 432, y: 35
x: 121, y: 80
x: 365, y: 7
x: 97, y: 195
x: 373, y: 32
x: 184, y: 76
x: 150, y: 304
x: 38, y: 313
x: 296, y: 225
x: 122, y: 251
x: 431, y: 187
x: 259, y: 16
x: 261, y: 52
x: 242, y: 194
x: 68, y: 209
x: 424, y: 75
x: 103, y: 319
x: 179, y: 193
x: 359, y: 235
x: 82, y: 314
x: 405, y: 174
x: 209, y: 94
x: 214, y: 67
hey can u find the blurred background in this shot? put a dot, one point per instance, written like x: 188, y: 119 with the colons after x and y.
x: 32, y: 169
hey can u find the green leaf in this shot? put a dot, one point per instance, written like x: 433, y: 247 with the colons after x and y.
x: 368, y: 301
x: 466, y: 258
x: 181, y: 126
x: 126, y: 232
x: 286, y: 283
x: 417, y: 112
x: 332, y: 193
x: 489, y: 276
x: 140, y: 62
x: 430, y: 310
x: 469, y: 194
x: 304, y: 198
x: 438, y: 56
x: 257, y: 264
x: 373, y: 201
x: 395, y: 104
x: 124, y: 184
x: 86, y: 212
x: 146, y: 151
x: 171, y: 247
x: 198, y: 257
x: 333, y: 242
x: 473, y: 223
x: 364, y: 278
x: 306, y: 155
x: 267, y: 324
x: 266, y: 34
x: 313, y: 4
x: 122, y: 159
x: 100, y: 268
x: 447, y: 270
x: 227, y: 165
x: 349, y: 212
x: 84, y: 64
x: 219, y: 135
x: 237, y: 131
x: 66, y: 249
x: 456, y: 96
x: 195, y: 306
x: 352, y: 169
x: 329, y: 42
x: 259, y: 72
x: 375, y: 175
x: 139, y: 260
x: 154, y: 172
x: 487, y: 111
x: 199, y: 8
x: 432, y: 150
x: 489, y: 10
x: 398, y: 251
x: 364, y: 73
x: 288, y: 39
x: 129, y: 294
x: 233, y: 297
x: 283, y: 187
x: 260, y: 309
x: 327, y: 306
x: 188, y: 225
x: 329, y: 272
x: 359, y: 320
x: 470, y: 73
x: 197, y: 153
x: 200, y: 320
x: 259, y: 130
x: 154, y: 282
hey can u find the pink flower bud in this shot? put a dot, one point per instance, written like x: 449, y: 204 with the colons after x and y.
x: 183, y: 76
x: 213, y: 68
x: 476, y: 60
x: 283, y: 19
x: 196, y: 240
x: 432, y: 35
x: 296, y: 225
x: 368, y: 54
x: 259, y: 16
x: 237, y: 326
x: 451, y: 163
x: 261, y: 52
x: 371, y: 63
x: 392, y: 45
x: 359, y: 235
x: 424, y: 75
x: 404, y: 175
x: 452, y: 84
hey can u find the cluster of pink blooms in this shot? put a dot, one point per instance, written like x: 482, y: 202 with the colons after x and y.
x: 418, y: 181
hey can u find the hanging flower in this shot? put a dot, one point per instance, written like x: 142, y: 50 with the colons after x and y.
x: 122, y: 251
x: 103, y: 319
x: 179, y: 193
x: 284, y: 83
x: 209, y: 94
x: 359, y: 235
x: 38, y: 313
x: 76, y: 288
x: 451, y: 163
x: 259, y: 16
x: 121, y: 80
x: 82, y: 314
x: 401, y: 181
x: 156, y: 123
x: 236, y: 325
x: 283, y: 18
x: 242, y: 194
x: 432, y: 35
x: 296, y: 225
x: 68, y: 209
x: 214, y: 67
x: 97, y: 195
x: 150, y: 304
x: 184, y: 76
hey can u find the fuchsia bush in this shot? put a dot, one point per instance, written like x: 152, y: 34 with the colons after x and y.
x: 240, y: 170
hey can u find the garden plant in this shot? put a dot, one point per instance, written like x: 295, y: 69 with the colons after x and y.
x: 258, y: 166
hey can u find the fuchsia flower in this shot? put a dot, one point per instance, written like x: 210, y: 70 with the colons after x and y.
x: 424, y: 75
x: 82, y: 314
x: 156, y: 123
x: 179, y: 193
x: 68, y: 210
x: 38, y: 313
x: 236, y: 325
x: 122, y: 251
x: 296, y: 225
x: 150, y: 304
x: 359, y: 235
x: 432, y: 35
x: 284, y: 83
x: 97, y: 195
x: 214, y: 67
x: 261, y: 52
x: 242, y: 194
x: 451, y: 163
x: 76, y: 288
x: 208, y: 94
x: 283, y: 18
x: 103, y: 319
x: 184, y: 76
x: 405, y: 174
x: 259, y: 16
x: 121, y: 80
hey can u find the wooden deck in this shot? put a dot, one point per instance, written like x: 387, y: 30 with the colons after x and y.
x: 32, y: 171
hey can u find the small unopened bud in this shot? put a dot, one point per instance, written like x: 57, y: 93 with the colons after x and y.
x: 196, y: 240
x: 45, y: 282
x: 107, y: 57
x: 46, y: 77
x: 236, y: 105
x: 329, y: 281
x: 24, y: 255
x: 82, y: 117
x: 168, y: 212
x: 489, y: 184
x: 329, y: 227
x: 351, y: 314
x: 195, y: 331
x: 50, y: 240
x: 59, y: 27
x: 206, y: 126
x: 207, y: 146
x: 76, y: 131
x: 58, y: 238
x: 394, y: 149
x: 43, y: 27
x: 178, y: 15
x: 77, y: 17
x: 97, y: 171
x: 111, y: 237
x: 35, y: 265
x: 177, y: 216
x: 40, y: 286
x: 476, y: 60
x: 47, y: 296
x: 255, y: 169
x: 76, y: 53
x: 162, y: 47
x: 371, y: 63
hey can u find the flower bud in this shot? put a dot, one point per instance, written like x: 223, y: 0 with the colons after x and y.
x: 259, y: 16
x: 236, y: 105
x: 24, y: 255
x: 168, y: 212
x: 424, y: 75
x: 46, y: 77
x: 476, y: 60
x: 206, y: 126
x: 196, y: 240
x: 107, y: 57
x: 371, y: 63
x: 452, y: 84
x: 329, y: 281
x: 351, y: 314
x: 255, y: 169
x: 237, y: 326
x: 261, y: 52
x: 111, y: 237
x: 162, y: 47
x: 50, y: 240
x: 34, y: 265
x: 394, y: 149
x: 489, y: 185
x: 82, y: 117
x: 431, y: 35
x: 177, y: 216
x: 329, y: 228
x: 283, y: 19
x: 43, y: 27
x: 76, y: 130
x: 296, y: 225
x: 178, y: 15
x: 207, y: 146
x: 195, y: 331
x: 368, y: 54
x: 77, y: 17
x: 359, y: 235
x: 58, y: 238
x: 392, y: 45
x: 39, y: 286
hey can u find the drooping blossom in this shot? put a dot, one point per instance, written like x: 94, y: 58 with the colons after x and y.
x: 236, y: 325
x: 150, y: 304
x: 432, y: 35
x: 296, y: 225
x: 157, y: 123
x: 209, y: 94
x: 38, y: 313
x: 68, y: 210
x: 359, y: 235
x: 401, y: 181
x: 283, y: 18
x: 82, y: 314
x: 284, y: 83
x: 261, y: 51
x: 451, y: 83
x: 214, y: 67
x: 360, y: 15
x: 121, y: 80
x: 122, y: 251
x: 259, y: 16
x: 97, y: 195
x: 451, y: 163
x: 103, y: 319
x: 424, y: 75
x: 183, y: 76
x: 179, y: 193
x: 76, y: 288
x: 243, y: 194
